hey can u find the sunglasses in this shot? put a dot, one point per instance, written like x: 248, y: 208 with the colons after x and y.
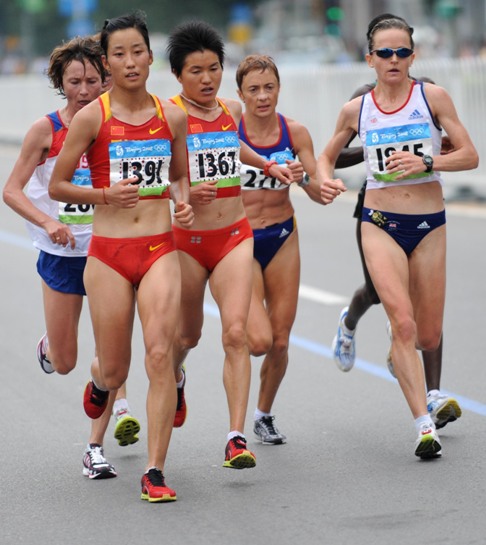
x: 387, y: 52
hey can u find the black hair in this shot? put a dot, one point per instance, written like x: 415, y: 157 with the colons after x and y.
x: 136, y: 19
x: 384, y: 22
x: 190, y: 37
x: 85, y: 50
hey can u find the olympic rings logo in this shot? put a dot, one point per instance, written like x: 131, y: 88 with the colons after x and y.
x: 416, y: 132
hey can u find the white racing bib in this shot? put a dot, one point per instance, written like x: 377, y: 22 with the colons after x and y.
x: 147, y: 160
x: 214, y: 156
x: 382, y: 143
x: 253, y: 178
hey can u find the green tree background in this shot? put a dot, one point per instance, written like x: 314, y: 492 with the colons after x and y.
x: 48, y: 28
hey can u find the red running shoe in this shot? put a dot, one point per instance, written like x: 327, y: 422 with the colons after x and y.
x: 237, y: 455
x: 94, y: 400
x: 154, y: 489
x: 181, y: 411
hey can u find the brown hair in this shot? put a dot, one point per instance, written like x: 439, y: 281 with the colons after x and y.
x: 385, y: 24
x: 255, y: 62
x: 84, y: 50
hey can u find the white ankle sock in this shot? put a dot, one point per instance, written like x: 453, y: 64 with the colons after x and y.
x: 259, y: 414
x: 120, y: 405
x: 424, y: 420
x: 235, y: 433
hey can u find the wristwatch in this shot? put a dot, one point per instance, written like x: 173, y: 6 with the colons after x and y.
x: 305, y: 181
x: 428, y: 162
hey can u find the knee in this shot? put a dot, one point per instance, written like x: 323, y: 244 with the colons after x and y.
x: 429, y: 340
x: 188, y: 342
x: 157, y: 359
x: 63, y: 366
x: 259, y: 346
x: 405, y: 331
x: 113, y: 382
x: 234, y: 338
x: 280, y: 346
x: 114, y: 379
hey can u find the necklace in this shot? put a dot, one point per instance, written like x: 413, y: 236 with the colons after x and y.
x: 194, y: 103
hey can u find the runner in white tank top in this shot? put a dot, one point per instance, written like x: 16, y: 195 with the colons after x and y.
x: 406, y: 267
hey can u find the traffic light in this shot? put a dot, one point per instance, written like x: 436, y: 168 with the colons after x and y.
x: 448, y: 9
x: 32, y: 6
x: 334, y: 14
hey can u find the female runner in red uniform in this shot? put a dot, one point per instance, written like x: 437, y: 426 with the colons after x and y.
x: 218, y: 247
x: 135, y: 144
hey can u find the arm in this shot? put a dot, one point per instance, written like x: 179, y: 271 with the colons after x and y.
x: 179, y: 188
x: 461, y: 155
x: 35, y: 147
x: 34, y: 150
x: 251, y: 157
x: 304, y: 149
x: 345, y: 127
x: 353, y: 156
x: 82, y: 133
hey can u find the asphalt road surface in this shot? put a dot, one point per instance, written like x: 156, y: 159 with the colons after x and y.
x: 347, y: 474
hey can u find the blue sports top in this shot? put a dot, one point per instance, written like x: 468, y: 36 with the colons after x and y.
x: 253, y: 178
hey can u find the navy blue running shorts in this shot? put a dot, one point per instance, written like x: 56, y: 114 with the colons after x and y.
x: 60, y: 273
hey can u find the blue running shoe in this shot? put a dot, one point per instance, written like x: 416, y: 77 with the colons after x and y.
x: 343, y: 346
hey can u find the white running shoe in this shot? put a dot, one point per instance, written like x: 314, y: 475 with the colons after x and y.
x: 344, y: 346
x: 427, y: 444
x: 45, y: 364
x: 442, y: 409
x: 95, y: 465
x: 389, y: 361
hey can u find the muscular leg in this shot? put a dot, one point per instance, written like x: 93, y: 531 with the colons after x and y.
x: 158, y: 308
x: 412, y: 293
x: 283, y: 270
x: 112, y: 324
x: 259, y: 328
x: 121, y: 393
x: 62, y: 312
x: 433, y: 367
x: 365, y: 296
x: 100, y: 425
x: 235, y: 271
x: 194, y: 278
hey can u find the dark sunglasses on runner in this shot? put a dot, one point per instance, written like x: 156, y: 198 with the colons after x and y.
x: 387, y: 52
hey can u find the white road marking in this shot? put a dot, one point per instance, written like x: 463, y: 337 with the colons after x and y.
x: 320, y: 296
